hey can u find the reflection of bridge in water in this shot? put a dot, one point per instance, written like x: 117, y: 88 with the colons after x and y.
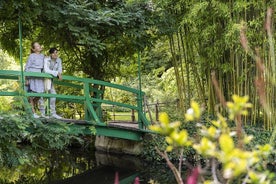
x: 105, y: 173
x: 90, y: 94
x: 102, y: 175
x: 107, y: 167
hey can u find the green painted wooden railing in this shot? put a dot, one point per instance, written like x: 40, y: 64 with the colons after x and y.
x: 90, y: 97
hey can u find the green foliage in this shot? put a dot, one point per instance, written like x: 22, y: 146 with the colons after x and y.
x: 261, y: 136
x: 93, y: 35
x: 158, y: 141
x: 216, y: 144
x: 157, y: 59
x: 47, y: 166
x: 51, y: 137
x: 6, y: 63
x: 17, y: 128
x: 151, y: 142
x: 155, y: 87
x: 12, y: 130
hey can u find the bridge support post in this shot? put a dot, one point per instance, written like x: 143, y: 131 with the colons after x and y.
x: 132, y: 115
x: 115, y: 145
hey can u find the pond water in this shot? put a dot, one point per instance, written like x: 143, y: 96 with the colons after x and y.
x: 77, y: 166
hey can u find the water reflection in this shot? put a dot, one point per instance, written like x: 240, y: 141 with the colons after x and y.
x: 78, y: 166
x: 105, y: 168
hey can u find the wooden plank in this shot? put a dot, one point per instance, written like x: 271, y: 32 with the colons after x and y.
x: 115, y: 124
x: 123, y: 124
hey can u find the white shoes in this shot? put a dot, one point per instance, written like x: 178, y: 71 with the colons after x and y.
x: 56, y: 116
x: 44, y: 116
x: 36, y: 116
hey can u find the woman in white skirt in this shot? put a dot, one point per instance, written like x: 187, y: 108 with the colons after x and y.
x: 35, y: 84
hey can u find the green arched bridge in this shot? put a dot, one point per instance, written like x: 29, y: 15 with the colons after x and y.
x: 90, y: 94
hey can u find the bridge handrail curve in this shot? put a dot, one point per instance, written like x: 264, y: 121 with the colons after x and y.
x: 68, y: 77
x: 15, y: 75
x: 91, y: 81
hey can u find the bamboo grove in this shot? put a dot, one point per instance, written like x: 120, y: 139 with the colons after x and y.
x: 206, y: 38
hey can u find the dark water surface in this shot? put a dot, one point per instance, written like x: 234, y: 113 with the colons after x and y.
x: 77, y: 166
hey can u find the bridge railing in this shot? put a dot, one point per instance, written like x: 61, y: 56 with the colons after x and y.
x: 88, y: 92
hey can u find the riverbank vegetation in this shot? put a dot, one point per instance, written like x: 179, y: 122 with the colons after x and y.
x: 18, y: 130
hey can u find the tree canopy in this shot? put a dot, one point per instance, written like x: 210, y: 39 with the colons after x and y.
x: 195, y: 38
x: 93, y: 35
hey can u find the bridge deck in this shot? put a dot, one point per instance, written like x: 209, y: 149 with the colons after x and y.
x: 117, y: 129
x: 126, y: 125
x: 117, y: 124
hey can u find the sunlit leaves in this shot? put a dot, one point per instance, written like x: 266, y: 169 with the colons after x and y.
x: 206, y: 147
x: 239, y: 106
x: 164, y: 118
x: 212, y: 131
x: 264, y: 150
x: 226, y: 143
x: 258, y: 177
x: 237, y: 162
x: 165, y: 127
x: 217, y: 142
x: 193, y: 113
x: 178, y: 139
x: 221, y: 122
x: 247, y: 138
x: 174, y: 136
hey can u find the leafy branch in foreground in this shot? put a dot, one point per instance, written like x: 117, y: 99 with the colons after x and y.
x: 17, y: 128
x: 218, y: 146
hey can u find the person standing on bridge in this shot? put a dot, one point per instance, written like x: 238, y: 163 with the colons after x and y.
x: 35, y: 84
x: 53, y: 66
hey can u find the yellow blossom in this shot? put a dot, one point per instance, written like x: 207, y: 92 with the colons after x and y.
x: 193, y: 113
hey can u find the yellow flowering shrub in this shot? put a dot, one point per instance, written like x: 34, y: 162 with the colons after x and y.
x: 217, y: 142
